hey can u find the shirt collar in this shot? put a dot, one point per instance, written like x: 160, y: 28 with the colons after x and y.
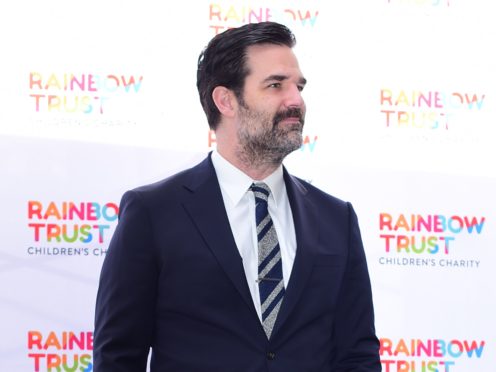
x: 235, y: 183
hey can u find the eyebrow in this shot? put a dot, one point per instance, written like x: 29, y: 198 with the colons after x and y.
x: 302, y: 80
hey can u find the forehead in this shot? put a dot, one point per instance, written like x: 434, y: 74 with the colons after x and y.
x: 269, y: 59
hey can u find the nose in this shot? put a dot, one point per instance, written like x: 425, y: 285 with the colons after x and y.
x: 293, y: 97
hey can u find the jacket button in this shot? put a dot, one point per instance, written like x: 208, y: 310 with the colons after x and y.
x: 271, y: 355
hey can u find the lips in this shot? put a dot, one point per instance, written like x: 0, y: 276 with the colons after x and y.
x: 291, y: 120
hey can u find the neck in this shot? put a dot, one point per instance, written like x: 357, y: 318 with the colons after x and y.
x: 256, y: 168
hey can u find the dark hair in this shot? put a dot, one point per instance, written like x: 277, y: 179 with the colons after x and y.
x: 223, y: 61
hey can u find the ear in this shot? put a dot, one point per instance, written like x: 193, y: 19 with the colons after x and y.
x: 224, y: 100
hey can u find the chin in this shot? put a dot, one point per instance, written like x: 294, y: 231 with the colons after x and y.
x: 294, y: 145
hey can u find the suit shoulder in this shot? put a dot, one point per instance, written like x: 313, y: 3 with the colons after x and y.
x: 162, y: 185
x: 319, y: 195
x: 174, y: 185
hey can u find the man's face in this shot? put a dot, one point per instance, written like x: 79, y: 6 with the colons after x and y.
x: 271, y: 111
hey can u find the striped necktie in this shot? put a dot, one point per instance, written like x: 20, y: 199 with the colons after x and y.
x: 270, y: 280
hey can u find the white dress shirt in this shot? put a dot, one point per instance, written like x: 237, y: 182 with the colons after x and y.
x: 239, y: 202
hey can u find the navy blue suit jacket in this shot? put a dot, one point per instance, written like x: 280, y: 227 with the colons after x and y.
x: 173, y: 280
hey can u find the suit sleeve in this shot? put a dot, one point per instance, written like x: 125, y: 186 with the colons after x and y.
x: 356, y: 345
x: 126, y: 296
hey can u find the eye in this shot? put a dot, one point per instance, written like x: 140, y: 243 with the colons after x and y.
x: 275, y: 85
x: 301, y: 87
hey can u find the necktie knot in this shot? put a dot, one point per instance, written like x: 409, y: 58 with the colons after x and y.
x: 261, y: 191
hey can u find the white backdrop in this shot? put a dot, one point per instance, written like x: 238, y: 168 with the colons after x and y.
x: 99, y: 96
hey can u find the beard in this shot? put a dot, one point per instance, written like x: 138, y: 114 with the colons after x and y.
x: 264, y: 140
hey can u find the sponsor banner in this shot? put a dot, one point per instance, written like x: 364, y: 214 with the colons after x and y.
x: 59, y: 214
x: 400, y: 121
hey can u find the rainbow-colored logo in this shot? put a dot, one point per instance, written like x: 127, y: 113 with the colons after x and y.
x: 426, y: 355
x: 70, y: 223
x: 224, y: 15
x: 432, y: 234
x: 84, y: 93
x: 413, y: 109
x: 417, y: 239
x: 61, y: 351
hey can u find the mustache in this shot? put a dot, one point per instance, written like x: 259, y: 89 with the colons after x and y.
x: 292, y: 112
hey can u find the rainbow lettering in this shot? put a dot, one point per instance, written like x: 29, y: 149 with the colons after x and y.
x: 224, y: 16
x: 78, y: 93
x: 430, y: 234
x: 425, y: 109
x: 309, y: 143
x: 63, y: 351
x: 426, y: 355
x: 80, y: 221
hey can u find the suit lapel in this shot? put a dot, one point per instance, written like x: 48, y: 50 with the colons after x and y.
x: 206, y: 208
x: 306, y: 227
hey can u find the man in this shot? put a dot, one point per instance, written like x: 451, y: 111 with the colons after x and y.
x: 235, y: 265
